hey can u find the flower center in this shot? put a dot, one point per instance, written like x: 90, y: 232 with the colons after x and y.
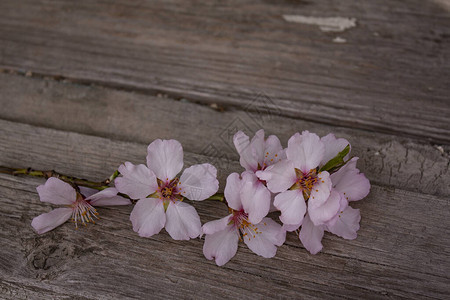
x: 169, y: 190
x: 306, y: 181
x: 243, y: 225
x: 83, y: 212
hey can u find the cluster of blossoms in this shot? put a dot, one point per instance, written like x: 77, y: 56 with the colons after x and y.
x: 311, y: 183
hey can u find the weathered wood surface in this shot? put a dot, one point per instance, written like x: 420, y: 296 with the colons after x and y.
x: 386, y: 159
x: 401, y: 250
x: 108, y: 77
x: 393, y: 60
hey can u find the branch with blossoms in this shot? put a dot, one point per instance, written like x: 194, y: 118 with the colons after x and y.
x: 311, y: 183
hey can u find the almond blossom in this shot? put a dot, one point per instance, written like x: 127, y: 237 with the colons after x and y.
x: 257, y: 155
x: 222, y: 236
x: 161, y: 193
x: 350, y: 185
x: 76, y: 205
x: 297, y: 179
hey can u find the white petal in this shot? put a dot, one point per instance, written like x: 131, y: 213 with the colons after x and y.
x: 319, y: 215
x: 305, y: 151
x: 242, y: 143
x: 87, y: 192
x: 257, y: 147
x: 51, y: 220
x: 268, y: 235
x: 349, y: 181
x: 291, y: 227
x: 216, y: 225
x: 279, y: 177
x: 107, y: 197
x: 311, y: 235
x: 292, y: 207
x: 273, y: 151
x: 199, y: 182
x: 221, y: 246
x: 255, y: 198
x: 56, y: 191
x: 183, y: 221
x: 137, y: 181
x: 165, y: 158
x: 232, y: 191
x: 347, y: 224
x: 321, y: 190
x: 148, y: 217
x: 332, y: 147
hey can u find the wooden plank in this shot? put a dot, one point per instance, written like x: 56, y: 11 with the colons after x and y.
x: 388, y: 76
x: 401, y: 250
x: 387, y: 160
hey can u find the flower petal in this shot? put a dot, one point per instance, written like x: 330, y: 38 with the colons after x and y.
x: 268, y: 235
x: 305, y: 151
x: 321, y: 190
x: 51, y: 220
x: 148, y: 217
x: 199, y: 182
x: 216, y: 225
x: 56, y: 191
x: 137, y: 181
x: 255, y: 198
x: 291, y: 227
x: 183, y: 221
x: 311, y: 235
x: 165, y: 158
x: 221, y: 246
x: 349, y: 181
x: 87, y: 192
x: 232, y: 191
x: 347, y: 224
x: 332, y: 147
x: 273, y: 151
x: 342, y: 206
x: 279, y: 177
x: 242, y: 143
x: 319, y: 215
x: 107, y: 197
x: 292, y: 206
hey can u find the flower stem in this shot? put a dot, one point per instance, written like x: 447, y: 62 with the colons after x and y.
x: 218, y: 197
x: 69, y: 179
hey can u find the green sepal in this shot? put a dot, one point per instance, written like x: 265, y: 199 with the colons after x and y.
x: 337, y: 161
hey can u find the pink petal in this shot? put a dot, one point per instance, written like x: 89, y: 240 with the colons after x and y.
x: 148, y: 217
x: 255, y: 198
x: 242, y: 143
x: 264, y: 241
x: 273, y: 151
x: 56, y: 191
x: 51, y: 220
x: 350, y: 182
x: 279, y: 177
x: 165, y: 158
x: 183, y: 221
x: 347, y: 224
x: 257, y: 147
x: 87, y: 192
x: 332, y: 147
x: 232, y: 191
x: 108, y: 197
x: 305, y: 151
x: 321, y: 190
x: 216, y: 225
x: 221, y: 246
x: 199, y: 182
x: 342, y: 206
x: 292, y: 206
x: 137, y: 181
x: 291, y: 227
x: 321, y: 214
x: 311, y: 235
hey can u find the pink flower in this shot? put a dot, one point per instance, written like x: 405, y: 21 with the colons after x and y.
x: 161, y: 193
x: 257, y: 155
x: 350, y: 185
x: 77, y: 206
x: 223, y: 235
x: 298, y: 180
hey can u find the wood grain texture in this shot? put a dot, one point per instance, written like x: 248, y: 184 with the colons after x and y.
x: 401, y: 250
x: 391, y: 75
x: 386, y: 159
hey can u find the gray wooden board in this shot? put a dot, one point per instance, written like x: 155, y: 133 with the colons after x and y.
x: 388, y: 160
x: 401, y: 250
x: 390, y: 75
